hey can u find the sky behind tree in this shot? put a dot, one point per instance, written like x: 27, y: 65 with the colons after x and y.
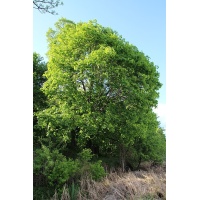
x: 140, y: 22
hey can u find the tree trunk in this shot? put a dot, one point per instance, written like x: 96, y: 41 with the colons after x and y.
x: 122, y: 158
x: 140, y: 159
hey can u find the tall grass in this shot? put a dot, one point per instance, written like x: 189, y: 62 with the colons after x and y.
x: 138, y: 185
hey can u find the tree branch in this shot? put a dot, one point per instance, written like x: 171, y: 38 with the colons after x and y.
x: 45, y: 6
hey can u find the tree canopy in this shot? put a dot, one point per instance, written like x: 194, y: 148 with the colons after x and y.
x: 97, y: 84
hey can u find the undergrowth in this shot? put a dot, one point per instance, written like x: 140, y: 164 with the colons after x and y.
x: 137, y: 185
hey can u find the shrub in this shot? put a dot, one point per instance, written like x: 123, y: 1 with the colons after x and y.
x: 97, y: 171
x: 54, y: 166
x: 85, y: 155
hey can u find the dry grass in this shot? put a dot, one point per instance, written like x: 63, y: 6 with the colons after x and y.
x: 138, y: 185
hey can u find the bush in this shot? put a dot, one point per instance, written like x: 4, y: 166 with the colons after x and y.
x: 97, y: 171
x: 54, y: 166
x: 56, y: 170
x: 85, y: 156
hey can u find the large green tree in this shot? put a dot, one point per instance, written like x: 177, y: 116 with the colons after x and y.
x: 100, y: 88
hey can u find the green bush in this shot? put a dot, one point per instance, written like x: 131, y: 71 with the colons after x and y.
x: 57, y: 170
x: 97, y: 171
x: 87, y: 167
x: 85, y: 155
x: 54, y: 166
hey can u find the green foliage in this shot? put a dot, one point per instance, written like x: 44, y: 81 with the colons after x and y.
x: 39, y: 98
x: 85, y: 155
x: 39, y: 67
x: 54, y: 166
x: 97, y: 171
x: 42, y: 193
x: 93, y: 100
x: 147, y: 145
x: 99, y: 84
x: 88, y: 167
x: 158, y: 152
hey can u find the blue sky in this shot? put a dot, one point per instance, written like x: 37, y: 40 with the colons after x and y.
x: 140, y: 22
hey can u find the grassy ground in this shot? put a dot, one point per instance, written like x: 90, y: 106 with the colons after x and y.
x: 146, y: 184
